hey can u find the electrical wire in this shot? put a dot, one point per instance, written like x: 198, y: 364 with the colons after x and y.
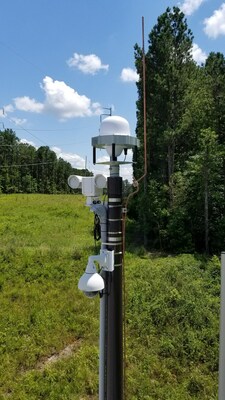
x: 10, y: 48
x: 26, y: 130
x: 14, y: 51
x: 97, y: 228
x: 26, y: 165
x: 48, y: 130
x: 38, y: 68
x: 50, y: 145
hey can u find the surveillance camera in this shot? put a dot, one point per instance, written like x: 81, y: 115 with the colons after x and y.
x: 100, y: 181
x: 91, y: 283
x: 75, y: 181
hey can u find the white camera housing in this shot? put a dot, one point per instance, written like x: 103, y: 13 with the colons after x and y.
x: 91, y: 282
x: 89, y: 188
x: 75, y: 181
x: 92, y: 186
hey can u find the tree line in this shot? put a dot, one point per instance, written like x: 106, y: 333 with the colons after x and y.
x: 25, y: 169
x: 181, y: 206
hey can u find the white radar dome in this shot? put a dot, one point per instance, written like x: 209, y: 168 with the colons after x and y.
x: 114, y: 125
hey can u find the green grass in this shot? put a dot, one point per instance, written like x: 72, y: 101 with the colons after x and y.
x: 172, y: 311
x: 172, y: 327
x: 45, y: 242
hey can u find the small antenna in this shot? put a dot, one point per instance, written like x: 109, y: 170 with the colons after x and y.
x: 109, y: 114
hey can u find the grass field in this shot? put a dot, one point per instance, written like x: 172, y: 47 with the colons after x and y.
x: 49, y: 330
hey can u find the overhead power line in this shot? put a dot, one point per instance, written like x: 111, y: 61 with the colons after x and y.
x: 26, y: 165
x: 26, y: 130
x: 48, y: 130
x: 18, y: 54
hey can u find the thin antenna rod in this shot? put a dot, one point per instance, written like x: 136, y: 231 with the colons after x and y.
x: 109, y: 114
x: 136, y: 181
x: 144, y: 96
x: 136, y: 184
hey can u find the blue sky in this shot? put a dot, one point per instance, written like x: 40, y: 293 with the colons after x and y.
x: 63, y: 61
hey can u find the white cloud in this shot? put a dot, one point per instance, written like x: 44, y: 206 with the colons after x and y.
x: 64, y: 101
x: 5, y: 110
x: 61, y: 100
x: 126, y: 171
x: 18, y: 121
x: 74, y: 159
x: 89, y: 64
x: 129, y: 75
x: 25, y: 141
x: 96, y: 108
x: 103, y: 159
x: 190, y: 6
x: 27, y: 104
x: 215, y: 25
x: 8, y: 109
x: 198, y: 54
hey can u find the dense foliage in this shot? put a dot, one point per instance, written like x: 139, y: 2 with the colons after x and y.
x: 25, y: 169
x: 185, y: 187
x: 49, y: 331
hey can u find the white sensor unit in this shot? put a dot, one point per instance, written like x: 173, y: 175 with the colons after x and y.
x: 114, y: 136
x: 114, y: 125
x: 75, y: 181
x: 91, y: 282
x: 89, y: 188
x: 100, y: 181
x: 92, y: 186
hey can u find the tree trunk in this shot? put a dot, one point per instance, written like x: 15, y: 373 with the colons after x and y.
x: 206, y: 207
x: 171, y: 151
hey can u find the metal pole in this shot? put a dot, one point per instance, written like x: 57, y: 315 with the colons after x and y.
x: 114, y: 133
x: 222, y: 332
x: 102, y: 213
x: 102, y: 363
x: 114, y: 307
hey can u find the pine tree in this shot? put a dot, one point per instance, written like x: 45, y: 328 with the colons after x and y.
x: 168, y: 67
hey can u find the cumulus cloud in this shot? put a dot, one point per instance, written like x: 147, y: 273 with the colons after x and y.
x: 199, y: 56
x: 64, y: 101
x: 89, y: 64
x: 190, y: 6
x: 61, y: 100
x: 27, y: 104
x: 129, y: 75
x: 215, y: 25
x: 74, y: 159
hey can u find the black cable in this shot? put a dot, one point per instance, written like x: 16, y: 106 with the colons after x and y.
x: 97, y: 228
